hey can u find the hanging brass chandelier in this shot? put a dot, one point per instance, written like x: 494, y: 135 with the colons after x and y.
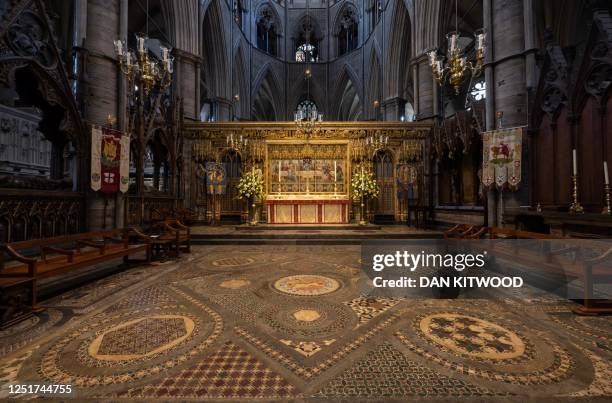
x: 141, y: 70
x: 457, y: 63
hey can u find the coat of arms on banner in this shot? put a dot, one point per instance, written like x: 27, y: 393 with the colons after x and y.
x: 110, y: 153
x: 407, y: 181
x: 216, y: 178
x: 501, y: 160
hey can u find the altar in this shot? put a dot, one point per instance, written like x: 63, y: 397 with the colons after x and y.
x: 307, y: 182
x: 305, y: 210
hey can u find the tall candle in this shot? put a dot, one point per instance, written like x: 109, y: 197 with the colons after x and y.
x: 574, y: 161
x: 336, y: 174
x: 279, y: 171
x: 606, y: 173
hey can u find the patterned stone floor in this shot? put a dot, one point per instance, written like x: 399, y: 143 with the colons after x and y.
x: 279, y: 323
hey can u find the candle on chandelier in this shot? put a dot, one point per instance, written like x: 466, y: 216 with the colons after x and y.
x: 480, y: 41
x: 141, y: 44
x: 119, y: 47
x: 606, y: 177
x: 453, y: 41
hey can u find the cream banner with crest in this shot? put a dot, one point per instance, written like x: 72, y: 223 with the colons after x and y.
x: 501, y: 159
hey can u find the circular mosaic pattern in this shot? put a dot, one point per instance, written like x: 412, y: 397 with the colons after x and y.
x: 472, y: 336
x: 233, y: 261
x: 479, y: 345
x: 306, y: 315
x: 234, y: 284
x: 315, y: 319
x: 128, y: 346
x: 142, y: 337
x: 306, y: 285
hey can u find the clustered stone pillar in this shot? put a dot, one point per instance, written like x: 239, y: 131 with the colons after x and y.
x: 505, y: 75
x: 103, y: 90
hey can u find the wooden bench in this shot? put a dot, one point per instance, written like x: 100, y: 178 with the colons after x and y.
x: 179, y: 233
x: 53, y: 256
x: 565, y: 260
x: 182, y: 214
x: 465, y: 231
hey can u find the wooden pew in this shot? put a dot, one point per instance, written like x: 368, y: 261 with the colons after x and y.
x: 54, y: 256
x: 465, y: 231
x: 565, y: 262
x: 180, y: 233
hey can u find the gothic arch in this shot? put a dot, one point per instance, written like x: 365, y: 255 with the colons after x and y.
x: 267, y: 100
x: 307, y: 29
x: 181, y: 21
x: 267, y: 18
x: 215, y: 66
x: 398, y: 56
x: 374, y: 86
x: 299, y: 91
x: 342, y: 27
x: 347, y: 92
x: 240, y: 85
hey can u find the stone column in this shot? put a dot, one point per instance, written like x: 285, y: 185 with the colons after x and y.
x: 187, y: 65
x: 491, y: 200
x: 103, y: 95
x: 426, y: 88
x: 121, y: 106
x: 509, y: 72
x: 393, y: 108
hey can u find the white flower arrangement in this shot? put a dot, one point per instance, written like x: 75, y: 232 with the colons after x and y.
x: 250, y: 186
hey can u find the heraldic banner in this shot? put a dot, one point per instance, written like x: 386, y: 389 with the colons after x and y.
x: 110, y: 159
x: 216, y: 178
x: 501, y: 159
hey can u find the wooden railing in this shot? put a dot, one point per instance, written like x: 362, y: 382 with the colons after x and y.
x: 30, y: 214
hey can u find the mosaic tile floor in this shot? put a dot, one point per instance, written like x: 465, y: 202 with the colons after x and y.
x: 278, y: 323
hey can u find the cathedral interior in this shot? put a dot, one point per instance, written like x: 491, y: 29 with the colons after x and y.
x: 208, y: 200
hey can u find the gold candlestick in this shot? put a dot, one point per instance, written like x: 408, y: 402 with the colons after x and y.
x: 607, y: 208
x: 575, y: 207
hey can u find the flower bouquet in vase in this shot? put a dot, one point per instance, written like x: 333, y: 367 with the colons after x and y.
x: 250, y: 188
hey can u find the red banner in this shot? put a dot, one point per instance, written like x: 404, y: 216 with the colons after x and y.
x: 110, y: 160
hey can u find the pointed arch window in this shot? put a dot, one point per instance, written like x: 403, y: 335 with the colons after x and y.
x: 306, y: 53
x: 307, y: 43
x: 267, y: 31
x: 307, y: 109
x: 348, y: 31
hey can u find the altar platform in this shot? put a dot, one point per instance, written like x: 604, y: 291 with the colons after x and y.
x: 307, y: 210
x: 304, y: 234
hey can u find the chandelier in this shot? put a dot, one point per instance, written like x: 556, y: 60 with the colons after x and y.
x: 139, y: 68
x: 238, y: 144
x: 253, y: 150
x: 373, y: 144
x: 457, y: 63
x: 306, y: 121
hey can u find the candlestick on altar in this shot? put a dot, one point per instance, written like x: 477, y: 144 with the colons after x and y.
x: 608, y: 206
x: 575, y: 207
x: 574, y: 162
x: 279, y: 177
x: 606, y: 178
x: 335, y: 177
